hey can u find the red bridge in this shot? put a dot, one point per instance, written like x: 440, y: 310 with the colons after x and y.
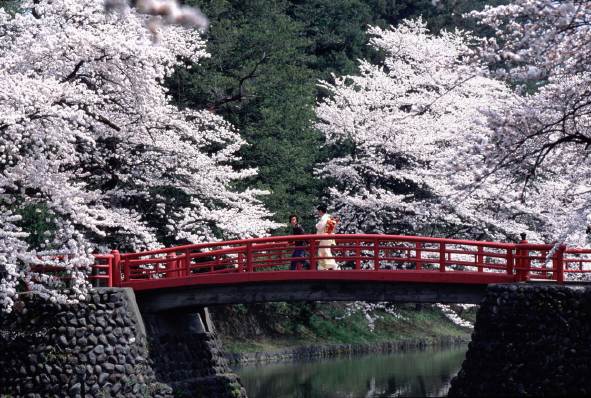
x: 370, y: 267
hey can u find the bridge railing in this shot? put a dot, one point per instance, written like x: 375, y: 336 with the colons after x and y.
x: 532, y: 262
x: 577, y: 263
x: 365, y: 253
x: 51, y: 270
x: 393, y: 253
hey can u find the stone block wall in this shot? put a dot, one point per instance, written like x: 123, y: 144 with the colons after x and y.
x: 529, y: 340
x: 189, y: 357
x: 92, y: 349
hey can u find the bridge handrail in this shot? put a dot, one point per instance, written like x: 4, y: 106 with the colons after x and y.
x: 427, y: 256
x: 101, y: 271
x: 288, y: 238
x: 364, y: 252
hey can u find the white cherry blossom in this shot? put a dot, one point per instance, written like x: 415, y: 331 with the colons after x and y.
x: 401, y: 124
x: 88, y: 130
x: 538, y: 145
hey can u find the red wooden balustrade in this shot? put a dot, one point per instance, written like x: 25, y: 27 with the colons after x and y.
x: 388, y: 257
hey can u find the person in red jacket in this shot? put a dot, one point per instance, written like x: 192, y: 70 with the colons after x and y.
x: 325, y: 225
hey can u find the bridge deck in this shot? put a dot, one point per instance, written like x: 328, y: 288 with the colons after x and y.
x: 411, y: 276
x: 365, y: 259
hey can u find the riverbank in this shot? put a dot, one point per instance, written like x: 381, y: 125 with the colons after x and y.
x: 339, y: 350
x: 277, y: 332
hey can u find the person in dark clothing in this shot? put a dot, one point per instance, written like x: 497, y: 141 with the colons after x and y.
x: 296, y: 229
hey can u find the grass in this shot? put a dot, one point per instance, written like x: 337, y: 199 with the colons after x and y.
x: 281, y: 326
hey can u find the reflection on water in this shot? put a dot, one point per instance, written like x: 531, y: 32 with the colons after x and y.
x: 404, y: 374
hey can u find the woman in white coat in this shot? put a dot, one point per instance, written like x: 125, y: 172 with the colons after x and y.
x: 325, y: 244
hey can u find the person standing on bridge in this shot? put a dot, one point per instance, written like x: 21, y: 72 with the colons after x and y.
x: 299, y: 252
x: 325, y: 225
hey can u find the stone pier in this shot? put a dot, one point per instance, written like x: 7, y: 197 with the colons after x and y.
x: 529, y: 340
x: 102, y: 348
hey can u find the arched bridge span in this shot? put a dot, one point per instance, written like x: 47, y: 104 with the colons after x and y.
x: 370, y: 267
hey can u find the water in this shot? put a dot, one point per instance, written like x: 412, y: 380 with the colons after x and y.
x: 407, y: 374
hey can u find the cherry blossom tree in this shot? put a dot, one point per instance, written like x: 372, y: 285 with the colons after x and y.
x: 399, y: 125
x: 87, y: 132
x: 539, y: 145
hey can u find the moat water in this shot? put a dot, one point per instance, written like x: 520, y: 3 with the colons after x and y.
x: 425, y: 373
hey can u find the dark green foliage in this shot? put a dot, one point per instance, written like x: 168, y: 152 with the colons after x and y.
x: 272, y: 326
x: 10, y: 6
x: 266, y: 60
x: 38, y: 222
x: 336, y: 33
x: 336, y: 28
x: 258, y: 78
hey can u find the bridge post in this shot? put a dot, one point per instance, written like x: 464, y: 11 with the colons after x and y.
x: 546, y: 273
x: 376, y: 254
x: 558, y: 263
x: 240, y: 262
x: 187, y: 264
x: 358, y: 255
x: 510, y: 262
x: 110, y: 272
x: 418, y: 256
x: 116, y: 264
x: 480, y: 258
x: 313, y: 255
x: 249, y: 265
x: 519, y: 260
x: 523, y: 261
x: 171, y: 265
x: 442, y: 257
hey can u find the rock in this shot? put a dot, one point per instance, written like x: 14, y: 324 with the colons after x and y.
x: 103, y: 378
x: 92, y: 358
x: 75, y: 389
x: 101, y: 321
x: 111, y: 339
x: 103, y: 340
x: 93, y: 339
x: 116, y: 387
x: 94, y: 389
